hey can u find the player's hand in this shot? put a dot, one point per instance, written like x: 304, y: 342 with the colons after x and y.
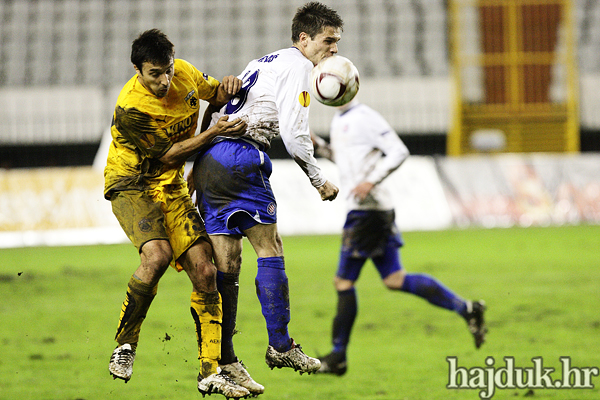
x: 234, y: 128
x: 362, y: 190
x: 328, y: 191
x: 231, y: 84
x: 190, y: 182
x: 191, y: 186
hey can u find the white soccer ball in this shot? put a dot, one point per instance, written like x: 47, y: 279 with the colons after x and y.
x: 334, y: 81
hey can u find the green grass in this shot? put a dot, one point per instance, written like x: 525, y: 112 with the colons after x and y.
x: 59, y: 308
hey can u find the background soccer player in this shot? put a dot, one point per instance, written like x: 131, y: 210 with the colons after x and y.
x: 153, y: 128
x: 367, y: 150
x: 234, y: 194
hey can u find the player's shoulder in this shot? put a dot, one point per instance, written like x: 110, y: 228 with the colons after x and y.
x: 364, y: 111
x: 354, y: 110
x: 184, y: 69
x: 134, y: 98
x: 129, y: 93
x: 287, y: 59
x: 183, y: 65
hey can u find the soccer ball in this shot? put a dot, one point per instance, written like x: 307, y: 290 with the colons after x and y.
x: 334, y: 81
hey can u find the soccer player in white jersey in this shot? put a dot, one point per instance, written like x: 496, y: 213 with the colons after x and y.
x: 367, y: 150
x: 233, y: 190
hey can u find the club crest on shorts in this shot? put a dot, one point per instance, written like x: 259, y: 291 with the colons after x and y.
x: 271, y: 208
x: 145, y: 225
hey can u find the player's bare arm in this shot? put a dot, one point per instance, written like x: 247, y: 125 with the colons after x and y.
x: 181, y: 151
x: 328, y: 191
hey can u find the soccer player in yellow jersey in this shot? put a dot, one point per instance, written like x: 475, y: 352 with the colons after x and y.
x: 153, y: 132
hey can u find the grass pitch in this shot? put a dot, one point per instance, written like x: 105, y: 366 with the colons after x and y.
x: 59, y: 309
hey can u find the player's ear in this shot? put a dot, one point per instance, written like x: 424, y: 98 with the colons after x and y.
x: 303, y: 39
x: 137, y: 71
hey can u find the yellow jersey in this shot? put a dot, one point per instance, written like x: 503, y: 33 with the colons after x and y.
x: 145, y: 127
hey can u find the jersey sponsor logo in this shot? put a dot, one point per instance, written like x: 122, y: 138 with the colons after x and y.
x: 192, y: 100
x: 304, y: 99
x: 176, y: 130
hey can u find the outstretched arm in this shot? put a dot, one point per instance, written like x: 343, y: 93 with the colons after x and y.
x: 181, y: 151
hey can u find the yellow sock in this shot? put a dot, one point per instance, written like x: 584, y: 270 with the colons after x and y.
x: 133, y: 311
x: 207, y: 312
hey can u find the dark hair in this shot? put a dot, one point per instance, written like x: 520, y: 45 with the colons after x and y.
x: 312, y: 18
x: 152, y: 46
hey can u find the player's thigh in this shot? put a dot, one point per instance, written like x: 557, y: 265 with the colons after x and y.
x: 265, y: 240
x: 227, y: 252
x: 234, y: 189
x: 182, y: 220
x: 389, y: 266
x: 349, y: 267
x: 141, y: 218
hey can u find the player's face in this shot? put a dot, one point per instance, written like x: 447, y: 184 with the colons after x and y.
x: 322, y: 45
x: 156, y: 78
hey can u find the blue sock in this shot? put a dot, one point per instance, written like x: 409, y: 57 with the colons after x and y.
x: 434, y: 292
x: 347, y: 308
x: 273, y: 293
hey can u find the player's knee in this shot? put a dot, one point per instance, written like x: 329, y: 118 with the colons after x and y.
x: 156, y: 256
x: 206, y: 270
x: 201, y: 270
x: 198, y: 260
x: 342, y: 284
x: 395, y: 280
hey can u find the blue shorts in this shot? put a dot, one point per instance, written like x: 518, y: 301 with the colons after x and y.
x: 370, y: 234
x: 233, y: 189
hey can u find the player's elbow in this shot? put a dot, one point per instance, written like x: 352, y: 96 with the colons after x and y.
x: 170, y: 160
x: 403, y: 154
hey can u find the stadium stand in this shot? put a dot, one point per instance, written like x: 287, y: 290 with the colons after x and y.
x: 61, y: 60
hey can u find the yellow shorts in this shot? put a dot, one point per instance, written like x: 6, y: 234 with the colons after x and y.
x: 166, y: 212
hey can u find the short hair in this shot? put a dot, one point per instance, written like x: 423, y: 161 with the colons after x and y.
x: 312, y: 18
x: 152, y: 46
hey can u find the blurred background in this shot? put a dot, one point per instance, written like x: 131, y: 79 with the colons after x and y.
x: 488, y: 95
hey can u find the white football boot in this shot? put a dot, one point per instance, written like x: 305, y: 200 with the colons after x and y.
x: 237, y: 371
x: 293, y: 358
x: 221, y: 383
x: 121, y: 362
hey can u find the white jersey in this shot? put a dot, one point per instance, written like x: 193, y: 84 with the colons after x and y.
x: 365, y: 148
x: 274, y: 99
